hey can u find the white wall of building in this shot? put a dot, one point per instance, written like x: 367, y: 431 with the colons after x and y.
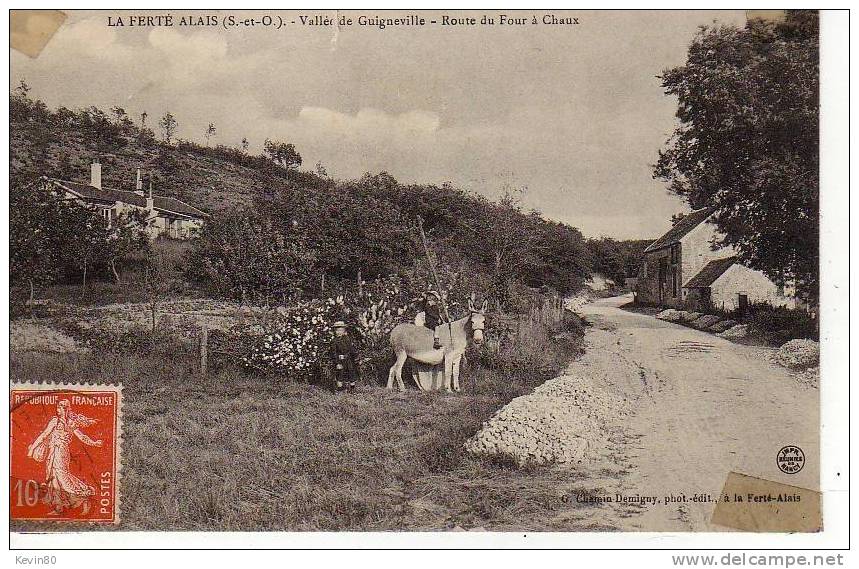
x: 725, y: 291
x: 695, y: 250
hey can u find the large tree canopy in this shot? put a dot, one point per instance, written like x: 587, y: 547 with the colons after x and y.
x: 747, y: 141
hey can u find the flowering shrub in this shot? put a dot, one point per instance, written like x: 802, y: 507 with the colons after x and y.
x: 294, y: 341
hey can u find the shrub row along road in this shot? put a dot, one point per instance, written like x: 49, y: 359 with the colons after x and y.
x: 701, y: 407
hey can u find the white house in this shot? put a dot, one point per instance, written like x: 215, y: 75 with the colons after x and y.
x: 681, y: 269
x: 165, y: 216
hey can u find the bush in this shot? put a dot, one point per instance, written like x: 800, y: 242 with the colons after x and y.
x: 294, y: 342
x: 778, y: 324
x: 139, y: 342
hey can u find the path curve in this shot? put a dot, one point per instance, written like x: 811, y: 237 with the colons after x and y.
x: 702, y: 407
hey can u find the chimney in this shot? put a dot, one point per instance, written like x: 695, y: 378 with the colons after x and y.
x: 95, y: 174
x: 150, y: 203
x: 138, y: 187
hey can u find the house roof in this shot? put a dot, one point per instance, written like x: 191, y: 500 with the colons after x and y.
x: 711, y: 271
x: 162, y: 203
x: 689, y: 222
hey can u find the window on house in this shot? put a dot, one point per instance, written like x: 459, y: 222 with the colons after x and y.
x: 675, y: 254
x: 780, y: 289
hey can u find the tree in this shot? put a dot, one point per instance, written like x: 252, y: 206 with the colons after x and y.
x: 23, y: 90
x: 33, y: 238
x: 50, y: 235
x: 245, y: 145
x: 321, y: 171
x: 168, y: 126
x: 747, y: 142
x: 161, y: 279
x: 617, y: 260
x: 143, y: 117
x: 87, y: 243
x: 210, y: 132
x: 245, y: 255
x: 511, y: 244
x: 126, y: 236
x: 282, y: 154
x: 350, y: 233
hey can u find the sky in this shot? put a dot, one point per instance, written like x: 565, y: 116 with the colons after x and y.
x: 573, y: 113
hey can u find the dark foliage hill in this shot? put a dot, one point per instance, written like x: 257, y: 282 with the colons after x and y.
x: 340, y: 229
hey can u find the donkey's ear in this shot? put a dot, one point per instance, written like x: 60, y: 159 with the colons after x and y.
x: 485, y: 304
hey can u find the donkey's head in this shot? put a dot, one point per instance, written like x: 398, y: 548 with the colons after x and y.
x: 477, y: 320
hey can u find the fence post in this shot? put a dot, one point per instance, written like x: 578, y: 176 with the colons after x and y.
x: 204, y: 349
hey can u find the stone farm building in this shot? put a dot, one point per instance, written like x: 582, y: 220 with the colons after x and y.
x: 165, y: 216
x: 681, y: 270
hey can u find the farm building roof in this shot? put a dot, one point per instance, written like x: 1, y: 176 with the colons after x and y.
x: 689, y: 222
x: 711, y: 271
x: 163, y: 203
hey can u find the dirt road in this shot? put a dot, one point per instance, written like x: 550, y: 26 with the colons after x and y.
x: 701, y: 408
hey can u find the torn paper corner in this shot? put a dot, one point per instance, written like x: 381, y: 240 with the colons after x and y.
x: 31, y: 30
x: 755, y: 504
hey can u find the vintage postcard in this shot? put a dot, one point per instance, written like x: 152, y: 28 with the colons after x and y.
x: 450, y: 271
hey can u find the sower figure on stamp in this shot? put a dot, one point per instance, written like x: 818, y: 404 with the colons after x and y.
x: 64, y: 489
x: 344, y: 356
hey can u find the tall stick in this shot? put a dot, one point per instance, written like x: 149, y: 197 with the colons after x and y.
x: 432, y: 267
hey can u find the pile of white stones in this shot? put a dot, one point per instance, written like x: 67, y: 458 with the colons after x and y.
x: 798, y: 354
x: 31, y: 336
x: 561, y: 422
x: 737, y: 332
x: 670, y: 315
x: 727, y: 329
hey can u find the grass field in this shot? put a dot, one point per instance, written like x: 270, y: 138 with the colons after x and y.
x: 233, y: 451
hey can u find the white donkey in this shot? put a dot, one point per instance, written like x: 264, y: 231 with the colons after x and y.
x: 416, y: 342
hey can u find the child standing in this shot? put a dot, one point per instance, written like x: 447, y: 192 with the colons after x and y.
x: 344, y: 356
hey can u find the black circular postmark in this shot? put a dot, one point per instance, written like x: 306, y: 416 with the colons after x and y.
x: 790, y: 459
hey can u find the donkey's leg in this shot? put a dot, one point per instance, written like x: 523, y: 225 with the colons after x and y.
x: 448, y: 371
x: 396, y: 371
x: 400, y: 384
x: 456, y: 362
x: 401, y: 361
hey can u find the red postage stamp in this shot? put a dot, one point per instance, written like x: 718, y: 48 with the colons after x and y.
x: 64, y: 446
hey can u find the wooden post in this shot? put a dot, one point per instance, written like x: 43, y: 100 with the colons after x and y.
x: 204, y: 349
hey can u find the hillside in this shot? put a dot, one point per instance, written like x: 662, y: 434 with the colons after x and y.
x: 363, y: 227
x: 182, y: 171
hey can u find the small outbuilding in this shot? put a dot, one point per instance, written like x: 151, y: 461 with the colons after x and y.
x: 683, y: 269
